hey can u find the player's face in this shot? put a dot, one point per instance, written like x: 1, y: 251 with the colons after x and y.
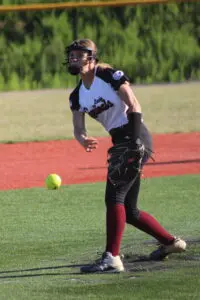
x: 80, y: 63
x: 78, y: 58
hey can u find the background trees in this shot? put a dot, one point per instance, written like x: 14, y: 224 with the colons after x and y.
x: 151, y: 43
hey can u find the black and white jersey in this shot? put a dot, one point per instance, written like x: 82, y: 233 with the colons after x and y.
x: 101, y: 100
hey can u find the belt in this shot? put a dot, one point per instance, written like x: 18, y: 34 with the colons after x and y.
x: 119, y: 130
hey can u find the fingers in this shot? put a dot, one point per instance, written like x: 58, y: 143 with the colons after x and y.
x: 91, y: 140
x: 91, y: 144
x: 91, y: 147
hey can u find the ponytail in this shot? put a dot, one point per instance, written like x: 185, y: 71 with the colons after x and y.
x: 103, y: 65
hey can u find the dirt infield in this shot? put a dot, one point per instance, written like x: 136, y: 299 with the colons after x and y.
x: 25, y: 165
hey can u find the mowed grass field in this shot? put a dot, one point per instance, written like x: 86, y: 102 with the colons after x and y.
x: 40, y: 115
x: 47, y: 235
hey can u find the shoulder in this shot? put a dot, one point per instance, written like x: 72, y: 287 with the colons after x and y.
x: 76, y: 90
x: 112, y: 76
x: 74, y: 97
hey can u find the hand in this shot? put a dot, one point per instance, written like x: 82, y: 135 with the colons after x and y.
x: 90, y: 144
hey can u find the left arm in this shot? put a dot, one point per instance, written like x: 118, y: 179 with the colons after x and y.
x: 134, y: 112
x: 126, y: 94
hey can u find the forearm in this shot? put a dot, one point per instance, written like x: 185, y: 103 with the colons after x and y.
x: 80, y: 136
x: 80, y: 132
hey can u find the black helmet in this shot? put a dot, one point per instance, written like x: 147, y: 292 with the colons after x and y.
x: 78, y: 45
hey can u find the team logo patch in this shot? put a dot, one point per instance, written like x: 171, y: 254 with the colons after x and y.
x: 118, y: 74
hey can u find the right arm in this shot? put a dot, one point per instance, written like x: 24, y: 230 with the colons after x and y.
x: 80, y: 133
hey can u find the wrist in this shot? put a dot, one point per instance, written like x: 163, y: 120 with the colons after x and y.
x: 133, y: 108
x: 134, y: 119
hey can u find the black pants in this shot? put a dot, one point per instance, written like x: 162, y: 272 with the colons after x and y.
x: 128, y: 194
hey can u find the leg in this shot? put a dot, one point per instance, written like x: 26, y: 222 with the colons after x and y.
x: 115, y: 216
x: 115, y: 224
x: 148, y: 224
x: 142, y: 220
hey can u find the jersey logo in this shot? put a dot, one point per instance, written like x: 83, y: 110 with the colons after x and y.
x: 118, y: 74
x: 99, y: 106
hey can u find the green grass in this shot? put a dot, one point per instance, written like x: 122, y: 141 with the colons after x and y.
x: 43, y: 115
x: 45, y: 236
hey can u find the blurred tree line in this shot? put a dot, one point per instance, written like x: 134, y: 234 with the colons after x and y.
x: 151, y: 43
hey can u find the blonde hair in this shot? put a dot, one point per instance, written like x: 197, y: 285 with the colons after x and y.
x: 103, y: 65
x: 90, y: 44
x: 87, y: 44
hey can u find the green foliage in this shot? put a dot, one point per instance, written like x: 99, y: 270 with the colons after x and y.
x: 2, y: 83
x: 151, y: 43
x: 13, y: 82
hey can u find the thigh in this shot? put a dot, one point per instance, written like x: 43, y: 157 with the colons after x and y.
x: 131, y: 198
x: 116, y: 195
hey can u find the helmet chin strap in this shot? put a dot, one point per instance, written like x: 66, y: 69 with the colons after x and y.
x: 74, y: 70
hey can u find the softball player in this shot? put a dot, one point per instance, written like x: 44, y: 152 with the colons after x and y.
x: 105, y: 94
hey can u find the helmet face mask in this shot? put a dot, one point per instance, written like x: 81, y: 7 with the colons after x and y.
x: 76, y: 60
x: 76, y: 57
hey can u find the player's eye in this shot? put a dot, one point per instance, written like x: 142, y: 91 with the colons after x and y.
x: 77, y: 56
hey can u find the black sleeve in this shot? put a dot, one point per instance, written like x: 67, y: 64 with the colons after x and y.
x: 115, y: 77
x: 74, y: 98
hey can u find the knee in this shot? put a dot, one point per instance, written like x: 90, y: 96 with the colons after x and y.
x: 132, y: 215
